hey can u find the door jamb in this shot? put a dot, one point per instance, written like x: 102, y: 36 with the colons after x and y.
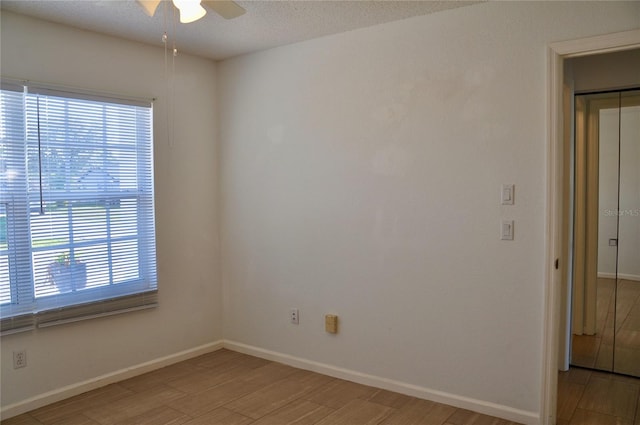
x: 556, y: 53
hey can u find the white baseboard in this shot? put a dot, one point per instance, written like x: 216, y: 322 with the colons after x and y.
x: 633, y: 277
x: 480, y: 406
x: 488, y: 408
x: 100, y: 381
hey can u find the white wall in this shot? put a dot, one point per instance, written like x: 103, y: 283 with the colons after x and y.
x: 607, y: 71
x: 189, y: 314
x: 361, y: 176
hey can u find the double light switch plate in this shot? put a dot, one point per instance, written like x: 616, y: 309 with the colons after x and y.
x: 507, y: 197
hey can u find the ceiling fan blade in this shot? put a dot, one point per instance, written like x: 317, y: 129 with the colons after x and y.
x: 226, y: 8
x: 149, y: 6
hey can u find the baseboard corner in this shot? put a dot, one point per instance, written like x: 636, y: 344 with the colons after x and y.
x: 480, y: 406
x: 62, y: 393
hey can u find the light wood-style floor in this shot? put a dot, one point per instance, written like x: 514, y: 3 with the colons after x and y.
x: 229, y: 388
x: 616, y: 308
x: 589, y: 397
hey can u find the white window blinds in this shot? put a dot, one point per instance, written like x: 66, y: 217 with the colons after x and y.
x: 77, y: 234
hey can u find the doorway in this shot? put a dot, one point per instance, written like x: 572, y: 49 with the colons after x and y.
x: 605, y: 319
x: 558, y: 255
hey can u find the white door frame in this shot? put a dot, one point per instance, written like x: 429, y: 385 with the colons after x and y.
x: 556, y: 54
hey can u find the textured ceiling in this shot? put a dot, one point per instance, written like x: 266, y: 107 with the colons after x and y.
x: 266, y: 23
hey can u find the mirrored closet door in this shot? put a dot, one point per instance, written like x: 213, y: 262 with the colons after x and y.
x: 606, y: 267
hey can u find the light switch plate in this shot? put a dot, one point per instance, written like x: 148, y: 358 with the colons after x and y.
x: 506, y: 230
x: 507, y: 194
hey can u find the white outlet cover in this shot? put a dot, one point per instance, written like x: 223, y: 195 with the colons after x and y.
x: 294, y: 316
x: 19, y: 359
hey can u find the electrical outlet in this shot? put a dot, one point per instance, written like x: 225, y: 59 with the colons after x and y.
x: 294, y: 316
x: 19, y: 359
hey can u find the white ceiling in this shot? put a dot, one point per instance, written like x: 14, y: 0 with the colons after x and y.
x: 266, y: 24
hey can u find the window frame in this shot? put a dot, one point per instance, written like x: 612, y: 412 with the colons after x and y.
x: 26, y: 309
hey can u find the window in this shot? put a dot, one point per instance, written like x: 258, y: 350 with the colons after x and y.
x: 77, y: 233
